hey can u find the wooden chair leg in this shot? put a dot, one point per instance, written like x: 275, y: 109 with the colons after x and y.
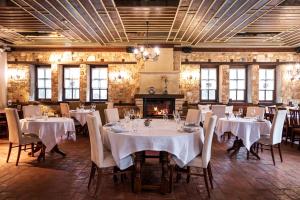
x: 279, y: 148
x: 261, y: 148
x: 178, y: 174
x: 210, y: 176
x: 18, y: 157
x: 188, y: 176
x: 206, y: 181
x: 248, y: 154
x: 32, y: 150
x: 92, y: 174
x: 9, y: 151
x: 171, y: 178
x: 99, y: 180
x: 272, y: 153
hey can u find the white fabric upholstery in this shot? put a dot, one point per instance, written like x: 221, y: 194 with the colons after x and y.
x: 275, y: 135
x: 259, y: 111
x: 100, y: 157
x: 110, y: 105
x: 204, y: 107
x: 14, y: 129
x: 32, y: 111
x: 229, y: 109
x: 64, y: 109
x: 111, y: 115
x: 218, y: 110
x: 193, y: 116
x: 203, y: 160
x: 96, y: 114
x: 206, y: 121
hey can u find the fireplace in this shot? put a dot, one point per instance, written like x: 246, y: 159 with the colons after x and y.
x: 156, y: 107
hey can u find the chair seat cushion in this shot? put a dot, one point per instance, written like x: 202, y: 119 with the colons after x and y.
x: 265, y: 139
x: 108, y: 160
x: 196, y: 162
x: 28, y: 139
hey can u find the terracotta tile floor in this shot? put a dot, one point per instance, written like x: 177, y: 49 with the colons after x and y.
x: 66, y: 178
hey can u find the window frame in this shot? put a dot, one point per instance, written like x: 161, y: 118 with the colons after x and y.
x: 275, y: 85
x: 246, y: 84
x: 36, y: 83
x: 217, y: 84
x: 91, y: 79
x: 63, y: 82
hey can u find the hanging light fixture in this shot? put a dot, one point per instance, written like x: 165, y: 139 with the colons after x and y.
x: 144, y: 52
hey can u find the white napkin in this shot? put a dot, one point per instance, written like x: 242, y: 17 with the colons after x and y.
x: 118, y: 129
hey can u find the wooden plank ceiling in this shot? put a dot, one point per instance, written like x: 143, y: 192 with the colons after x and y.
x: 200, y: 23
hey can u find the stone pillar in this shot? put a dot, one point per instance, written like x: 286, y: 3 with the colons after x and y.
x: 83, y: 82
x: 253, y: 84
x: 224, y: 83
x: 54, y: 82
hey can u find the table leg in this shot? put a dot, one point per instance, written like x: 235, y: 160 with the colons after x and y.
x: 237, y: 144
x: 42, y: 153
x: 164, y: 187
x: 137, y: 183
x: 252, y: 151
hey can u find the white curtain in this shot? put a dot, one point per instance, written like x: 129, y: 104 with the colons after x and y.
x: 3, y: 79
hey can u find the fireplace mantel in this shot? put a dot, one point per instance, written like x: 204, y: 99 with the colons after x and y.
x: 175, y: 96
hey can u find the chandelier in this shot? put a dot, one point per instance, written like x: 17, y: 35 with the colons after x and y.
x: 144, y: 52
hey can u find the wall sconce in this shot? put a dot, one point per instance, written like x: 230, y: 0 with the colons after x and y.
x: 294, y: 72
x: 16, y: 74
x: 190, y: 75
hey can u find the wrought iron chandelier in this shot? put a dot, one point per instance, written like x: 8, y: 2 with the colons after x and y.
x: 144, y: 52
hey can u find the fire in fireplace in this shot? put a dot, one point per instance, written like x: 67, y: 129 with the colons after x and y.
x: 157, y: 107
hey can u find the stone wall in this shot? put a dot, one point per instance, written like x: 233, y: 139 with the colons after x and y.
x: 124, y: 89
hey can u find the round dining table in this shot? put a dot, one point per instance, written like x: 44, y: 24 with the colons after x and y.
x: 162, y: 135
x: 51, y: 131
x: 80, y: 115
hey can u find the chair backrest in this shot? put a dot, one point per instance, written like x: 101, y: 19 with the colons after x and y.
x: 204, y: 107
x: 277, y: 126
x: 110, y: 105
x: 97, y: 155
x: 218, y: 110
x: 272, y: 109
x: 32, y: 111
x: 111, y: 115
x: 14, y: 128
x: 64, y: 109
x: 206, y: 150
x: 255, y: 111
x: 206, y: 121
x: 96, y: 114
x: 229, y: 109
x: 193, y: 116
x: 294, y: 117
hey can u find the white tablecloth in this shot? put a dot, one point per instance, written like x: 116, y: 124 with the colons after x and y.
x: 51, y: 131
x: 249, y: 130
x: 80, y: 115
x: 160, y: 136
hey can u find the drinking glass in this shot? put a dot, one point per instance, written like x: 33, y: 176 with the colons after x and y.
x: 241, y: 111
x: 134, y: 125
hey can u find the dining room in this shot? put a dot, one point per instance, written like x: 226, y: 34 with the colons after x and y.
x: 149, y: 99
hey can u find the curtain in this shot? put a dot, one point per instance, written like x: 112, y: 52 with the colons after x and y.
x: 3, y: 79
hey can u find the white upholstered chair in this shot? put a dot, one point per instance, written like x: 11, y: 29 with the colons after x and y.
x: 229, y: 109
x: 110, y: 105
x: 32, y: 111
x: 203, y: 160
x: 16, y: 137
x: 274, y: 139
x: 64, y: 109
x: 193, y: 116
x: 100, y: 158
x: 255, y: 111
x: 204, y: 107
x: 111, y: 115
x: 218, y: 110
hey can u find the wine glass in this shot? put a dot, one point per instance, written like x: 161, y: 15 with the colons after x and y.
x: 227, y: 115
x: 241, y: 111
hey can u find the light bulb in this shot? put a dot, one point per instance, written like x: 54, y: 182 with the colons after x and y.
x: 135, y: 51
x: 142, y: 49
x: 156, y: 50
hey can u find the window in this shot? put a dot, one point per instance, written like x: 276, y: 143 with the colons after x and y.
x: 71, y: 80
x: 237, y: 84
x: 266, y: 84
x: 43, y: 83
x: 209, y: 83
x: 99, y: 83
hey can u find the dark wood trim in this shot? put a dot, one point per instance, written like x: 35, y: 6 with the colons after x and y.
x: 239, y: 49
x: 63, y: 83
x: 153, y: 96
x: 186, y: 62
x: 91, y: 89
x: 74, y: 63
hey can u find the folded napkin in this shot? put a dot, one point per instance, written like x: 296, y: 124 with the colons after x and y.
x: 118, y: 129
